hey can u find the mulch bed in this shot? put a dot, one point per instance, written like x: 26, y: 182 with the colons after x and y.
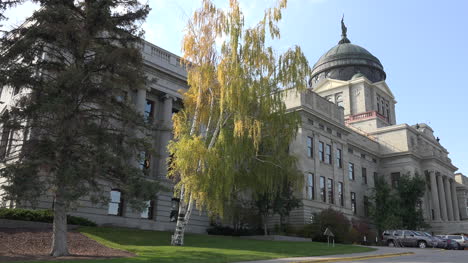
x: 32, y: 244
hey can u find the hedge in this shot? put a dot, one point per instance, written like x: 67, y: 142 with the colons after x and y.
x: 46, y: 216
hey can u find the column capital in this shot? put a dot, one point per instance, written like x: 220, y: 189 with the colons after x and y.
x: 168, y: 97
x: 143, y: 87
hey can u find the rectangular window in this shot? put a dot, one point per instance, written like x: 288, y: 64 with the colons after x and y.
x: 363, y: 155
x: 364, y: 175
x: 148, y: 211
x: 311, y: 122
x: 310, y: 186
x: 149, y: 110
x: 353, y: 202
x: 321, y: 126
x: 366, y: 206
x: 321, y: 153
x: 329, y: 130
x: 116, y: 203
x: 323, y: 196
x: 338, y: 134
x: 350, y: 150
x: 331, y: 198
x: 339, y: 158
x: 375, y: 177
x: 310, y: 147
x: 328, y: 158
x: 351, y: 171
x: 5, y: 139
x: 340, y: 193
x: 395, y: 178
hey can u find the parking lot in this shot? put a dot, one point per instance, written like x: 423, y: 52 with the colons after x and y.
x: 422, y: 255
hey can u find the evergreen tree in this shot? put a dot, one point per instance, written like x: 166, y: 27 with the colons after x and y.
x: 233, y: 135
x: 74, y: 127
x: 398, y: 208
x: 410, y: 191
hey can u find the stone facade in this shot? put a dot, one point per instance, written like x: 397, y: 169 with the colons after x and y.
x: 348, y: 136
x: 354, y: 118
x: 158, y: 100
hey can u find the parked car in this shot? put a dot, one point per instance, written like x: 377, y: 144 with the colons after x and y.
x: 460, y: 239
x: 407, y: 238
x: 436, y: 241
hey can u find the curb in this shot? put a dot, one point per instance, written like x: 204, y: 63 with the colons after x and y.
x: 355, y: 258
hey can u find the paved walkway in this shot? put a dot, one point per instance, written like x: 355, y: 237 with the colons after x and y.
x: 380, y: 252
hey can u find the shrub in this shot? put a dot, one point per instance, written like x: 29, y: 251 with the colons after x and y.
x: 46, y: 216
x: 217, y: 229
x: 328, y: 218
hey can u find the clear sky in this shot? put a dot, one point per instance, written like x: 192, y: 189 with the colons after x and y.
x: 422, y: 44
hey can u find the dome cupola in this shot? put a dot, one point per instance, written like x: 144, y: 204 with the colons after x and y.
x: 345, y: 60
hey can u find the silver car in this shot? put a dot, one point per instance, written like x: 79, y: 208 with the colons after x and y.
x: 407, y: 238
x: 461, y: 240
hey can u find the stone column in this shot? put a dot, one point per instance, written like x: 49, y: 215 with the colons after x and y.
x: 456, y: 210
x: 140, y: 105
x: 462, y: 206
x: 435, y: 196
x: 442, y: 201
x: 140, y: 102
x: 166, y: 133
x: 448, y: 198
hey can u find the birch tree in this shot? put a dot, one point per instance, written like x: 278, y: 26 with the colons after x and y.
x: 232, y: 137
x: 73, y: 62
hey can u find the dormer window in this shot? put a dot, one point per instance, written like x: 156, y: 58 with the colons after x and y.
x: 339, y: 100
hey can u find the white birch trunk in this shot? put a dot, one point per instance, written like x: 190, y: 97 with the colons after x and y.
x: 185, y: 211
x: 59, y: 237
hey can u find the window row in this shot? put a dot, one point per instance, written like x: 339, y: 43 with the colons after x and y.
x: 383, y: 107
x: 116, y: 205
x: 324, y: 152
x: 351, y: 173
x: 324, y: 128
x: 326, y: 189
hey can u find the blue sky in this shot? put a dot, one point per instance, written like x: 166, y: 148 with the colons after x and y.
x: 422, y: 44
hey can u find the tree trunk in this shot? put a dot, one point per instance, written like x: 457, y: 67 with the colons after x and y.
x: 265, y: 227
x: 178, y: 237
x: 59, y: 237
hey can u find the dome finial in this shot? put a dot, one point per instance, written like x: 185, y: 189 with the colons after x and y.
x: 344, y: 30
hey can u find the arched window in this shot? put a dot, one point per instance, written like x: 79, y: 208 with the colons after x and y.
x: 116, y: 203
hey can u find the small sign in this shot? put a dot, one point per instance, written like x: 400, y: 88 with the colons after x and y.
x: 328, y: 232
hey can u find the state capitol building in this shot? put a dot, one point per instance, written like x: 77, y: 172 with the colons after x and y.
x: 349, y: 135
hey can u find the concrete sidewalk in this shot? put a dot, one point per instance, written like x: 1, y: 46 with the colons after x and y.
x: 381, y: 252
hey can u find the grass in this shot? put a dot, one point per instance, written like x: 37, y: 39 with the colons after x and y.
x: 154, y: 246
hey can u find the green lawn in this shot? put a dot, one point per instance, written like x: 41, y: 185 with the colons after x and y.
x: 154, y: 246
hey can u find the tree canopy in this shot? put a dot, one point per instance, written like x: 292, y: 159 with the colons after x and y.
x: 398, y: 208
x: 75, y: 127
x: 232, y: 138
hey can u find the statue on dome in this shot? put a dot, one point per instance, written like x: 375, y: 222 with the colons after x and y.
x: 344, y: 30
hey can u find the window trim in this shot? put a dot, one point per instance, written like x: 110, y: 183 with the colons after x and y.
x: 119, y: 204
x: 353, y: 203
x: 351, y: 171
x: 310, y: 189
x: 321, y: 151
x: 323, y: 190
x: 330, y: 190
x: 328, y: 154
